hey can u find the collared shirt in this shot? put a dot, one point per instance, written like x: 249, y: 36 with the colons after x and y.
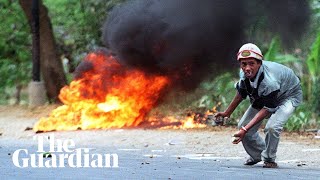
x: 273, y: 86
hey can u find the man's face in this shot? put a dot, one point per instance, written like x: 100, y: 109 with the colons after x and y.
x: 250, y: 67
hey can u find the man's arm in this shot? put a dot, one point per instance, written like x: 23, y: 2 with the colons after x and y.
x: 263, y: 113
x: 232, y: 106
x: 257, y: 118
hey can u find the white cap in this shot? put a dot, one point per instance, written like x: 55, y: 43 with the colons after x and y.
x: 249, y: 50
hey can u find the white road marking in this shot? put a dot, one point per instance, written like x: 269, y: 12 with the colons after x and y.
x: 206, y: 156
x: 129, y: 149
x: 152, y: 155
x: 158, y: 150
x: 310, y: 150
x: 288, y: 161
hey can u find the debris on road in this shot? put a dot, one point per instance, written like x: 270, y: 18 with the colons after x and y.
x: 47, y: 155
x: 301, y: 164
x: 28, y: 129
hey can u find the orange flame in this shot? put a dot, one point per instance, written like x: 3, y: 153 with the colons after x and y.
x: 107, y: 95
x: 189, y: 123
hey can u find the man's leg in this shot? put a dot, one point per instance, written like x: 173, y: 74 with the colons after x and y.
x: 252, y: 142
x: 273, y: 130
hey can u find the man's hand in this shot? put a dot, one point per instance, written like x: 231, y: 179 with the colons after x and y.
x: 224, y: 116
x: 257, y: 118
x: 221, y: 117
x: 240, y: 134
x: 221, y: 114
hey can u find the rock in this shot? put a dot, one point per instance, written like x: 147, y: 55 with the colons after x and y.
x: 28, y: 129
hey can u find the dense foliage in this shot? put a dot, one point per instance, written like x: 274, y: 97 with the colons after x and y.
x: 15, y: 48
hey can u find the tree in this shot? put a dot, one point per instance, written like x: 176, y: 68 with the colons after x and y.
x: 78, y: 27
x: 51, y: 66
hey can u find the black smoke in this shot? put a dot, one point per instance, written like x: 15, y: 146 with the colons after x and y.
x: 190, y: 39
x: 289, y: 18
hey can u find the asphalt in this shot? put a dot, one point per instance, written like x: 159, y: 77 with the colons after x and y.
x: 149, y: 164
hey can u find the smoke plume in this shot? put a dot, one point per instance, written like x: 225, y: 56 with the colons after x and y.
x: 189, y: 39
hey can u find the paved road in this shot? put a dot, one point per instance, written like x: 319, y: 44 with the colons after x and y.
x: 150, y: 164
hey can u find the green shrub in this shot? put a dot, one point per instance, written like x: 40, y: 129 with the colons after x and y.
x: 313, y: 67
x: 315, y: 97
x: 300, y: 120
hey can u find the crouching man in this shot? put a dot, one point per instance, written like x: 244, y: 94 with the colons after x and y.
x: 274, y: 91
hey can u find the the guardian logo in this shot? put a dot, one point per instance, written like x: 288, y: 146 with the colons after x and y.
x: 62, y: 153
